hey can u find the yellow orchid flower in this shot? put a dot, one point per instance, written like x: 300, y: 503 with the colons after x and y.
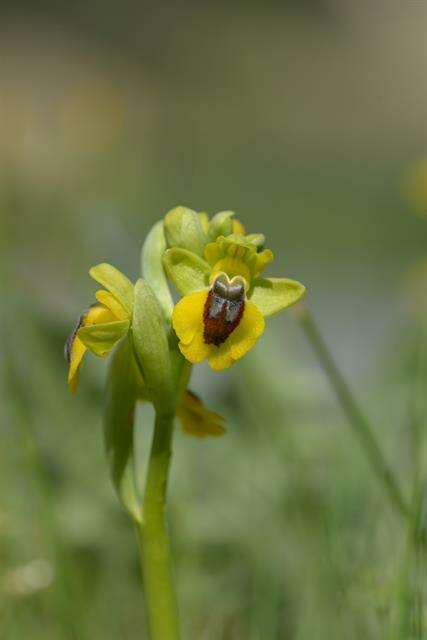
x: 104, y: 323
x: 196, y: 420
x: 225, y: 300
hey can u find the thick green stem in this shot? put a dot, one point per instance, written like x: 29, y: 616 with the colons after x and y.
x: 356, y: 419
x: 160, y: 598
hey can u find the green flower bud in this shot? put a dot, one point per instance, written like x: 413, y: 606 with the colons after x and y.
x: 220, y: 225
x: 183, y: 228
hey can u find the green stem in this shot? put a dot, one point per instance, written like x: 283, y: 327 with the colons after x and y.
x: 356, y: 419
x: 160, y: 598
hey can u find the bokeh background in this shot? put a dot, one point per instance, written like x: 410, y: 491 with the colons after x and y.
x: 308, y: 118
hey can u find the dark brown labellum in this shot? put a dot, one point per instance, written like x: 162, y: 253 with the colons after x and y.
x: 223, y: 311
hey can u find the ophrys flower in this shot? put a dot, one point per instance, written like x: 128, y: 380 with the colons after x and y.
x: 104, y: 323
x: 225, y: 300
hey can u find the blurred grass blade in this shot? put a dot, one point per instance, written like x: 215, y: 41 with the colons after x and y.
x: 360, y: 425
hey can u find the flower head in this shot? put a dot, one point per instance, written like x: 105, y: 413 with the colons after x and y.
x: 225, y: 300
x: 104, y: 323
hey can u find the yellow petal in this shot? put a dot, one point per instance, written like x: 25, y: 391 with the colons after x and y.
x: 197, y: 350
x: 221, y: 358
x: 187, y: 317
x: 197, y: 420
x: 108, y: 300
x: 97, y: 314
x: 251, y: 327
x: 239, y: 342
x: 114, y: 281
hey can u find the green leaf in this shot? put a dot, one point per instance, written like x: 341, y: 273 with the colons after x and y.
x: 183, y: 229
x: 122, y: 392
x: 151, y: 347
x: 101, y: 338
x: 152, y: 267
x: 187, y: 271
x: 220, y: 225
x: 272, y: 295
x: 114, y: 281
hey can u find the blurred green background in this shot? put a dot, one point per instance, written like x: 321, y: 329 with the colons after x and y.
x: 306, y: 117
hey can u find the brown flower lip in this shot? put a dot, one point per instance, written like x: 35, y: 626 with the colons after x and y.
x: 223, y: 310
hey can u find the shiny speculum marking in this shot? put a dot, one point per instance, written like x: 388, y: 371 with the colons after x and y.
x: 224, y: 309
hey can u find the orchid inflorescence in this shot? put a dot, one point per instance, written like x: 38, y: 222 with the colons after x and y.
x: 217, y: 270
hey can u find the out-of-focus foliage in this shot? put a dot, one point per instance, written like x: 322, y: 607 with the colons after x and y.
x: 305, y: 119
